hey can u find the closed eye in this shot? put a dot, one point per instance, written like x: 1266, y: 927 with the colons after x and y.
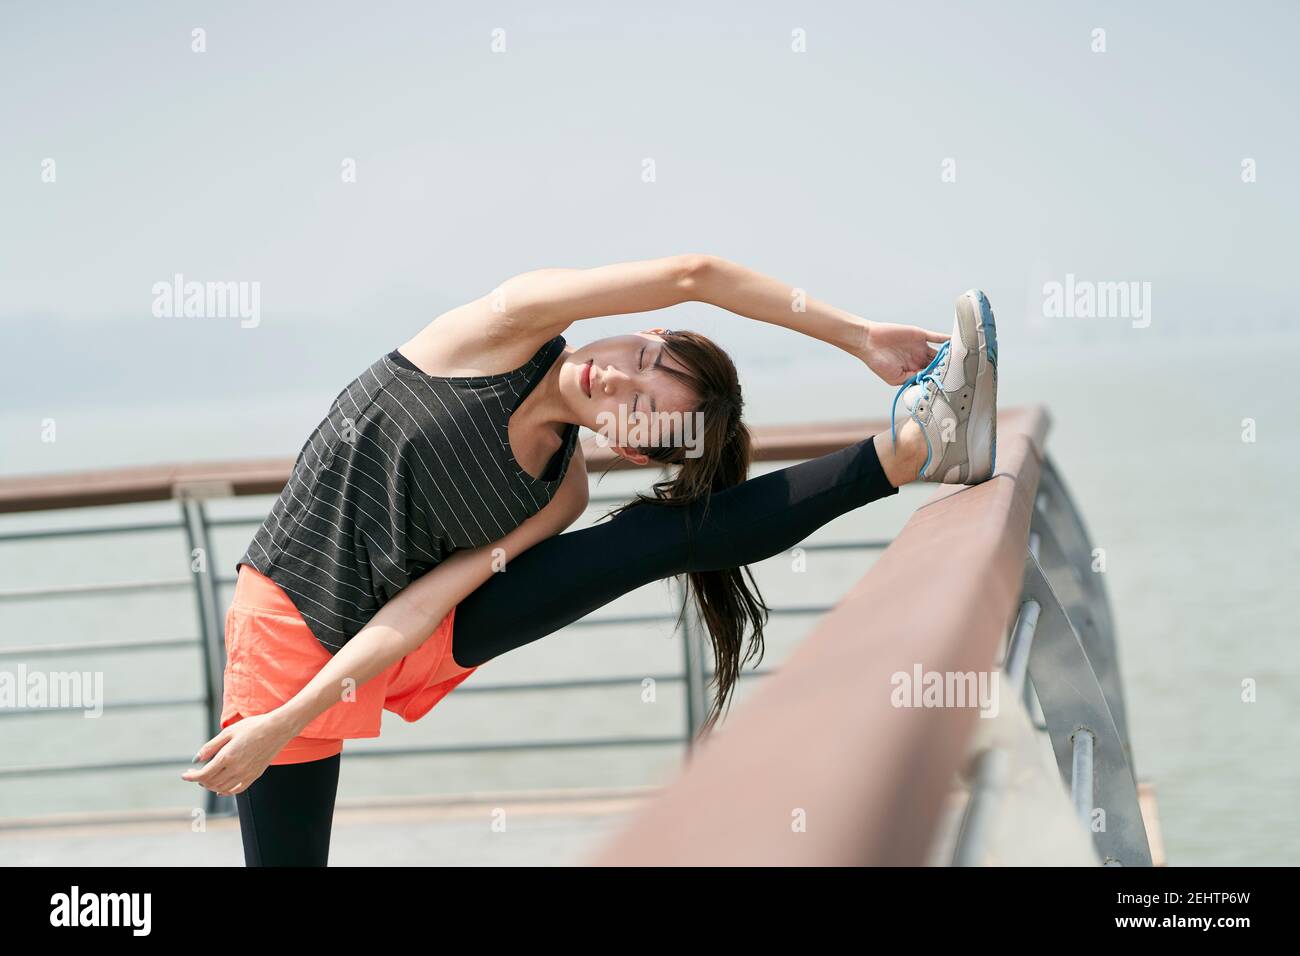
x: 640, y: 364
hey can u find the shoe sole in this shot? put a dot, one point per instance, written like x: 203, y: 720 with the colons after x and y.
x: 982, y: 426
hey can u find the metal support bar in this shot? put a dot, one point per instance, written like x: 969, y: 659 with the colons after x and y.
x: 1079, y: 596
x: 194, y: 517
x: 523, y: 746
x: 1022, y: 640
x: 695, y: 669
x: 88, y: 590
x: 1031, y: 704
x: 1081, y: 782
x: 694, y: 666
x: 1057, y: 505
x: 989, y: 773
x: 1071, y: 698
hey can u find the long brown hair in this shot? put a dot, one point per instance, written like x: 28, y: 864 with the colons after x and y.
x: 728, y: 600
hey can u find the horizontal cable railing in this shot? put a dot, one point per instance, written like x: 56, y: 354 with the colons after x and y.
x: 192, y: 485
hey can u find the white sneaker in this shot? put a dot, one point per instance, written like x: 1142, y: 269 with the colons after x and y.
x: 955, y: 399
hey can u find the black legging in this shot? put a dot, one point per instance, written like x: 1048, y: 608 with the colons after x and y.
x: 285, y: 814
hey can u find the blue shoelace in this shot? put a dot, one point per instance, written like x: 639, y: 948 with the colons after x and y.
x: 922, y: 378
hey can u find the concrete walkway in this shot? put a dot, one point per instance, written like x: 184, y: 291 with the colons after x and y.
x: 534, y: 829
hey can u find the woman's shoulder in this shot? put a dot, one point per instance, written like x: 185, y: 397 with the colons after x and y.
x: 473, y: 340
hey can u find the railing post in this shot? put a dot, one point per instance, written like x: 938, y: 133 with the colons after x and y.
x: 212, y: 636
x: 988, y: 778
x: 694, y: 671
x: 693, y: 665
x: 1081, y: 782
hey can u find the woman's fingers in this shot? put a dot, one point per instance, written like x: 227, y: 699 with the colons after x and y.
x: 214, y: 745
x: 236, y: 757
x: 225, y: 783
x: 937, y: 336
x: 225, y: 777
x: 216, y: 776
x: 228, y: 789
x: 202, y: 774
x: 239, y: 780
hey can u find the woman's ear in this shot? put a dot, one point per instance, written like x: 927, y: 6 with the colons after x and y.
x: 656, y: 331
x: 631, y: 454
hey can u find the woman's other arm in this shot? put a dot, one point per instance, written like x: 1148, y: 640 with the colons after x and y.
x: 240, y: 753
x: 410, y: 618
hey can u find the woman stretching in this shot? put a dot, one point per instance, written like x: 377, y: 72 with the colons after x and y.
x: 372, y: 584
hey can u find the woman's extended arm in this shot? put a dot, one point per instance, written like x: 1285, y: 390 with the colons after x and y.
x: 244, y: 749
x: 891, y: 351
x: 543, y: 303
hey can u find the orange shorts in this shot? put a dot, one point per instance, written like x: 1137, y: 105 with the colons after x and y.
x: 271, y: 654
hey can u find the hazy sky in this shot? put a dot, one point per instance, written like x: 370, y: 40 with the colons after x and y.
x: 823, y: 168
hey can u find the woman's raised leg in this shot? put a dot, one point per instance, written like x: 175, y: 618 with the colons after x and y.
x: 566, y: 577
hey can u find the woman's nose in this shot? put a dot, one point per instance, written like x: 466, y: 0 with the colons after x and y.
x: 614, y: 380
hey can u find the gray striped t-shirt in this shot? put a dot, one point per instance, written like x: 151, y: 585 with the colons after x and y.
x: 404, y: 470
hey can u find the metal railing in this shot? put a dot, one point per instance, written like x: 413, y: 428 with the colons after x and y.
x: 1062, y: 659
x: 192, y: 486
x: 1036, y: 596
x: 820, y: 768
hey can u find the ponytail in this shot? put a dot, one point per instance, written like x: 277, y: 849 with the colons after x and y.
x: 728, y: 600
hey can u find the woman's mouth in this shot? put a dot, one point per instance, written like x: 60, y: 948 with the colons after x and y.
x: 586, y: 377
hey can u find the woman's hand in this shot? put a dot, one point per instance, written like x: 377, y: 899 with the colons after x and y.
x: 240, y: 753
x: 896, y: 352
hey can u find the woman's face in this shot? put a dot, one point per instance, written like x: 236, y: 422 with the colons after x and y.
x: 617, y: 387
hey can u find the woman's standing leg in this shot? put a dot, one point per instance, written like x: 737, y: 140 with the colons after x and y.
x: 286, y: 815
x: 564, y: 578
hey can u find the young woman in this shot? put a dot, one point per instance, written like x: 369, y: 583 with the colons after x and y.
x: 373, y: 584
